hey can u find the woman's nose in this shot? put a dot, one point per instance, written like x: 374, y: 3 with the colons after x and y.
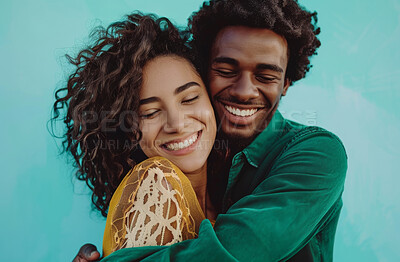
x: 175, y: 122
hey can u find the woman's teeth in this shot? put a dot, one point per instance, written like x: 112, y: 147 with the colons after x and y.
x: 239, y: 112
x: 184, y: 144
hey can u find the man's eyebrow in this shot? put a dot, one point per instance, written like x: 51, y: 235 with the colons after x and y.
x: 184, y: 87
x: 269, y: 67
x: 231, y: 61
x: 225, y: 60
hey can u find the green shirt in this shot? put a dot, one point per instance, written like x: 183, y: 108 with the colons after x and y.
x: 282, y: 202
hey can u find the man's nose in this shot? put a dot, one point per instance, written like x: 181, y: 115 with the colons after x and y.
x: 175, y: 122
x: 244, y: 88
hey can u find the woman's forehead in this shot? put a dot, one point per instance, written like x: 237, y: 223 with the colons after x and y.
x: 163, y: 75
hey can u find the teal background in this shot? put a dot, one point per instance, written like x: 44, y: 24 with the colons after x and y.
x: 352, y: 90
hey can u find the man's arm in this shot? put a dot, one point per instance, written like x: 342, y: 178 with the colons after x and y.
x: 298, y: 198
x: 87, y: 253
x: 284, y: 212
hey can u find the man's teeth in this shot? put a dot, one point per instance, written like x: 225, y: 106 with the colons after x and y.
x: 181, y: 145
x: 239, y: 112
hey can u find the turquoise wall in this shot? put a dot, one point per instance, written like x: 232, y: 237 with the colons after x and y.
x: 352, y: 90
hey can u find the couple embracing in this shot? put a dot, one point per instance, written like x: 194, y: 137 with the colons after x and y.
x: 179, y: 137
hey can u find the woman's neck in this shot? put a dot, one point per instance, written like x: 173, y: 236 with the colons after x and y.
x: 198, y: 179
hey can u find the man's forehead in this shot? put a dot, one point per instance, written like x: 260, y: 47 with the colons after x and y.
x: 246, y: 42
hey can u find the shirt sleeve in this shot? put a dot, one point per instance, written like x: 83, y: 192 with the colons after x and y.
x: 282, y: 214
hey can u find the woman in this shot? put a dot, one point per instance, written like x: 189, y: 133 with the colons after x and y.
x: 136, y: 94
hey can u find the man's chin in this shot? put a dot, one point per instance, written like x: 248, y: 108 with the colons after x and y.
x: 239, y: 138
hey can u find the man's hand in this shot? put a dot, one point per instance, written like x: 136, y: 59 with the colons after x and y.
x: 87, y: 253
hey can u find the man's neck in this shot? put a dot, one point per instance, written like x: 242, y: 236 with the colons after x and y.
x: 237, y: 144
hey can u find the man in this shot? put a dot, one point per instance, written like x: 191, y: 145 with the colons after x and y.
x: 283, y: 191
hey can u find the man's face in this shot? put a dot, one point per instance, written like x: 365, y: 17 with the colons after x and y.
x: 247, y: 79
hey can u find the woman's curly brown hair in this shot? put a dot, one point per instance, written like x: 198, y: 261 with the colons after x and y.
x: 101, y: 99
x: 284, y: 17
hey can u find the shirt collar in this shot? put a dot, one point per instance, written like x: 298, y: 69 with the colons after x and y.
x: 257, y: 151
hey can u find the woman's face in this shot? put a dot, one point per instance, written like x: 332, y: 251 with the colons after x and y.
x: 177, y: 119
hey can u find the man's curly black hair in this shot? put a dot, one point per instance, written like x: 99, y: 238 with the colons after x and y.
x: 284, y: 17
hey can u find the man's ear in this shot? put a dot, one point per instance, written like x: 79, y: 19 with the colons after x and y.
x: 286, y: 86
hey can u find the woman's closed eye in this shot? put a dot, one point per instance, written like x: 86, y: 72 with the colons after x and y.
x: 149, y: 114
x: 189, y: 100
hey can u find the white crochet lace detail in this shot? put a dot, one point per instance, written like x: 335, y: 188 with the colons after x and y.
x: 155, y: 218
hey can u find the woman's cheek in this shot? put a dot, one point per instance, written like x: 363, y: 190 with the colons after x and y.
x: 147, y: 140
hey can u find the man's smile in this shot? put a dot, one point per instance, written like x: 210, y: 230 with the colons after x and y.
x: 240, y: 114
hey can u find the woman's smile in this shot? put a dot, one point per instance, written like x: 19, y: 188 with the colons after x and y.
x: 182, y: 146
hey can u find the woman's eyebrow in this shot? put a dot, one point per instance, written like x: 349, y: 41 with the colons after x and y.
x: 184, y: 87
x: 149, y: 100
x: 178, y: 90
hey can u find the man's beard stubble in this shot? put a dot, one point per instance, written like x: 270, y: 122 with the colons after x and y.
x: 237, y: 143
